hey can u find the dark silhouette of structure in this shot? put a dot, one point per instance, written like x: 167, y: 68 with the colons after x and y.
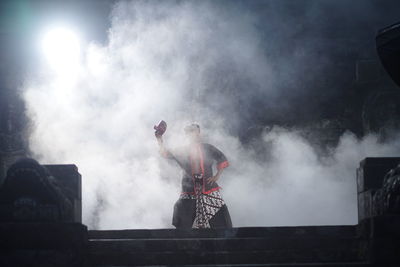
x: 40, y: 223
x: 41, y: 227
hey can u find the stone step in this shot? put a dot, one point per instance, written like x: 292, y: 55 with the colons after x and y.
x: 220, y: 244
x: 267, y: 232
x: 249, y: 245
x: 173, y: 258
x: 336, y: 264
x: 42, y: 235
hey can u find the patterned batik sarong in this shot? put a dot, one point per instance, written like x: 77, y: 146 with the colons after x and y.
x: 207, y: 205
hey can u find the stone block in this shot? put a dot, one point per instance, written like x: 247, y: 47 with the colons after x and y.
x: 30, y: 193
x: 371, y: 172
x: 43, y: 244
x: 365, y: 204
x: 70, y: 182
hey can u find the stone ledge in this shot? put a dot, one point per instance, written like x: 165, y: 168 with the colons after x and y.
x: 42, y: 235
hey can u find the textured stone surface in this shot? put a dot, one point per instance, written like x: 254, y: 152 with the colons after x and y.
x: 70, y: 182
x: 43, y: 244
x: 388, y: 47
x: 42, y: 235
x: 365, y: 204
x: 371, y: 172
x: 242, y: 232
x: 383, y: 235
x: 35, y: 193
x: 375, y: 242
x: 316, y: 244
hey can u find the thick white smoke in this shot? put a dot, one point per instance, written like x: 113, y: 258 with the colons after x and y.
x: 158, y: 64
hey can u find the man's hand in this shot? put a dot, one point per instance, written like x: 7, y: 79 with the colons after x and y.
x: 160, y: 128
x: 213, y: 179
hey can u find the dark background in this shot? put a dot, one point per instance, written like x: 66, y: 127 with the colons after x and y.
x: 334, y: 81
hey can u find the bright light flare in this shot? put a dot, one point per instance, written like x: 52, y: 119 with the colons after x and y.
x: 61, y: 48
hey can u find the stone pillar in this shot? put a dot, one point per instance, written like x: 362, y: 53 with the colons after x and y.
x: 370, y: 177
x: 12, y: 145
x: 40, y: 215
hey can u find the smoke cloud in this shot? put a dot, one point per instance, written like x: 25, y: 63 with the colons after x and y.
x: 183, y: 62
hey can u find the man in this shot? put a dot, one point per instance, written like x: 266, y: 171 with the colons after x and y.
x: 200, y: 204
